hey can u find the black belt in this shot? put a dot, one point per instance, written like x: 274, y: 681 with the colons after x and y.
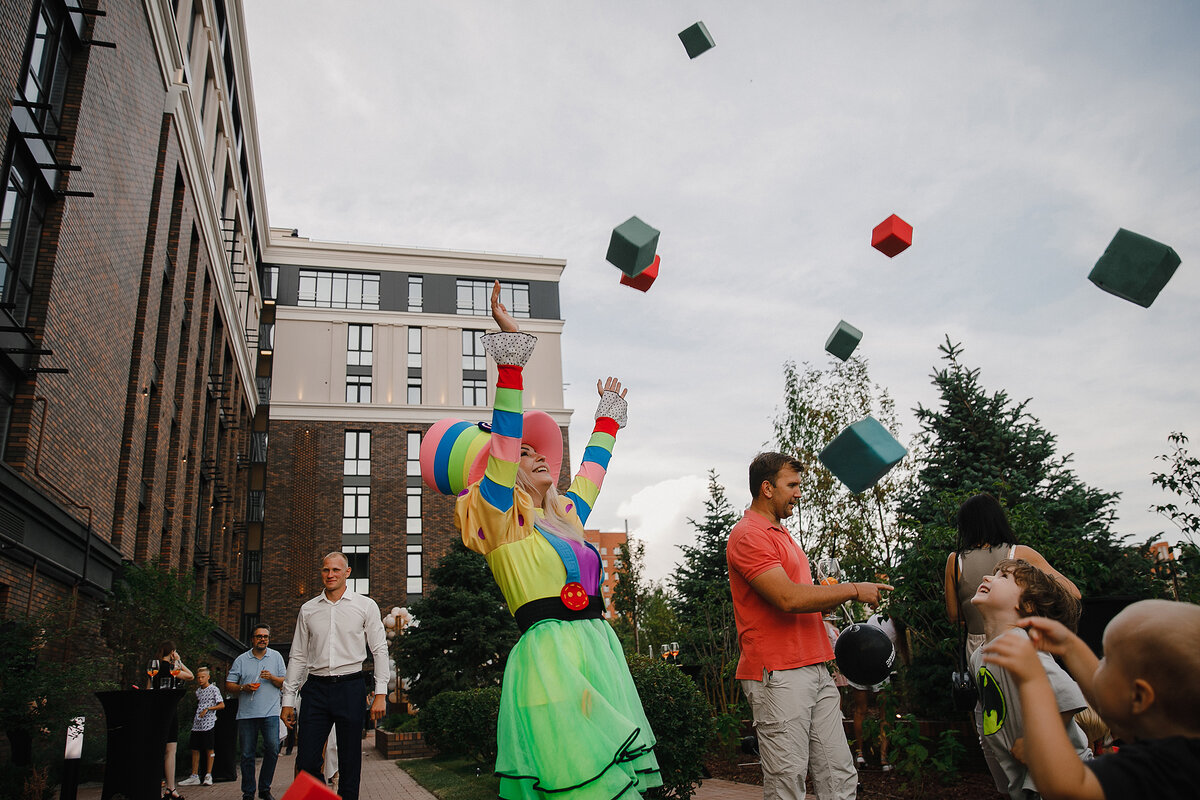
x: 553, y: 608
x: 350, y: 676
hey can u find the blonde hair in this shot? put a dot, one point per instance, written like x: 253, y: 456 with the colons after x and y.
x: 555, y: 520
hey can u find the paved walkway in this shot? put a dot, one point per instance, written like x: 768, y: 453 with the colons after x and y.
x: 383, y: 780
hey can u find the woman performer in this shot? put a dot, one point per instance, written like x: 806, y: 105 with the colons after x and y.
x: 571, y: 724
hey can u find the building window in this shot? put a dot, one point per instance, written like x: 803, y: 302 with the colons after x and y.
x: 356, y: 514
x: 414, y: 366
x: 358, y: 388
x: 474, y: 356
x: 414, y: 583
x: 358, y: 345
x: 270, y: 283
x: 328, y: 289
x: 414, y: 455
x: 358, y: 453
x: 24, y: 210
x: 414, y: 348
x: 474, y: 392
x: 256, y: 505
x: 416, y: 289
x: 253, y: 566
x: 359, y: 561
x: 475, y: 298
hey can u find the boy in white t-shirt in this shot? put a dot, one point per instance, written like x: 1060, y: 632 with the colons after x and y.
x: 208, y: 703
x: 1017, y: 589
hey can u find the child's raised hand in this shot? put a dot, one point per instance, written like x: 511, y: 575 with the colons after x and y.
x: 1048, y: 635
x: 1014, y: 652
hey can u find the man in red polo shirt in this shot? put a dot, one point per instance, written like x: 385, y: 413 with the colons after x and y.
x: 797, y: 713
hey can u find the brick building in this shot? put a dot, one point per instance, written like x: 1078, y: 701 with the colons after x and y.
x: 132, y: 227
x: 611, y: 545
x: 156, y: 334
x: 373, y: 345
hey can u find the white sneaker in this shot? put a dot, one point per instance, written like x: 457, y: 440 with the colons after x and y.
x: 208, y: 779
x: 191, y: 780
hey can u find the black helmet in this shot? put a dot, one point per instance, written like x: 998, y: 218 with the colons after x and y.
x: 864, y: 655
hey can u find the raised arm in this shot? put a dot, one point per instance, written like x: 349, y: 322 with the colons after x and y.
x: 611, y: 416
x: 510, y: 349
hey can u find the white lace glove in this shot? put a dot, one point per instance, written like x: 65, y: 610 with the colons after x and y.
x: 614, y: 406
x: 509, y: 348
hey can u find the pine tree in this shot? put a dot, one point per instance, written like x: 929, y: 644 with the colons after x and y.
x: 630, y: 595
x: 703, y: 605
x: 464, y: 630
x: 980, y: 441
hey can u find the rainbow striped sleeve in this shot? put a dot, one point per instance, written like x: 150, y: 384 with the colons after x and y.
x: 500, y: 476
x: 586, y: 486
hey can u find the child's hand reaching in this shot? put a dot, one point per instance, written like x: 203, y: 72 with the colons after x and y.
x: 1015, y: 653
x: 1047, y: 635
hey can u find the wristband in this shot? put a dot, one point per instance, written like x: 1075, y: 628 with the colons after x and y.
x: 856, y: 594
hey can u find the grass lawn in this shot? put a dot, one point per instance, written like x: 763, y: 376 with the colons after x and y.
x: 453, y: 778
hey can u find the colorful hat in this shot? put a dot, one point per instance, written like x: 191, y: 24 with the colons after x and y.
x: 454, y: 452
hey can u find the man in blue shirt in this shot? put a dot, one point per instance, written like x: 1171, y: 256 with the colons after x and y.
x: 257, y: 676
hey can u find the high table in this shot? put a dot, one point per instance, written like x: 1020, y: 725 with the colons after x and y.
x: 137, y: 721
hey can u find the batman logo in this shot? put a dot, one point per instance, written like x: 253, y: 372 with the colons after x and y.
x: 994, y: 710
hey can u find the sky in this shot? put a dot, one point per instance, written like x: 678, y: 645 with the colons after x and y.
x: 1015, y: 137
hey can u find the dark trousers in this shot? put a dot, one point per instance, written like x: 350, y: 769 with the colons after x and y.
x: 324, y: 706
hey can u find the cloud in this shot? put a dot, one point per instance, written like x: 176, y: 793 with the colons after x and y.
x: 658, y: 516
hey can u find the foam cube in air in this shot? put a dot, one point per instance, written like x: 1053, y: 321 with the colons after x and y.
x: 632, y: 246
x: 1134, y: 267
x: 643, y: 280
x: 696, y: 39
x: 843, y: 340
x: 892, y: 236
x: 306, y: 787
x: 862, y: 454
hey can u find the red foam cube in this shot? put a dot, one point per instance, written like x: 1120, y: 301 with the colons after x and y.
x: 306, y: 787
x: 892, y: 236
x: 644, y: 279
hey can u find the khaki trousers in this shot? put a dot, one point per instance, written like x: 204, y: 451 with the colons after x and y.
x: 798, y: 718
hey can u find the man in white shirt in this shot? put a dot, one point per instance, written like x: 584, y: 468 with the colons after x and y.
x: 334, y: 631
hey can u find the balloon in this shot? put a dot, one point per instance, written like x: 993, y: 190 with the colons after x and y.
x: 864, y: 655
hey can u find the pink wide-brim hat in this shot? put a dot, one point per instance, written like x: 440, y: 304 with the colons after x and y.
x: 454, y: 452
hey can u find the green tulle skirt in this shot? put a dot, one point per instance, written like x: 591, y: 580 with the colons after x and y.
x: 571, y: 723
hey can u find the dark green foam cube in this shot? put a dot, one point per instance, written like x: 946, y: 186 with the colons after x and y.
x: 843, y: 340
x: 632, y: 246
x: 1134, y: 267
x: 862, y: 454
x: 696, y: 40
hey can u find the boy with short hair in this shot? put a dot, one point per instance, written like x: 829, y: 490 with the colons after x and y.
x: 208, y: 703
x: 1145, y: 689
x: 1015, y: 590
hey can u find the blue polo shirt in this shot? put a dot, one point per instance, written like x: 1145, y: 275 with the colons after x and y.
x: 246, y: 669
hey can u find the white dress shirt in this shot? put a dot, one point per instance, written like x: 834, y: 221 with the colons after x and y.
x: 333, y: 639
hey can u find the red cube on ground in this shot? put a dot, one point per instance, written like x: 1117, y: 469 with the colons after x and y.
x: 306, y: 787
x: 892, y: 236
x: 644, y: 279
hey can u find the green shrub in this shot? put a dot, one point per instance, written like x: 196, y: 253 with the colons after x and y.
x: 463, y: 723
x: 681, y: 720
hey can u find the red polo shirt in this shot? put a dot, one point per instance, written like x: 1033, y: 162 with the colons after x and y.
x: 769, y: 638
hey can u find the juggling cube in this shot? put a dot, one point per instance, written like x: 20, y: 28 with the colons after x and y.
x: 862, y: 454
x: 632, y: 246
x: 1134, y: 267
x: 306, y: 787
x: 892, y: 236
x: 645, y: 279
x: 843, y: 340
x: 696, y: 40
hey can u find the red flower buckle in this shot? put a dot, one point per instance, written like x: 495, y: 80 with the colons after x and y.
x: 574, y: 597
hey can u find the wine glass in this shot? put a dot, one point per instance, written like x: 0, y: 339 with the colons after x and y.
x: 175, y: 670
x: 151, y: 671
x: 666, y: 651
